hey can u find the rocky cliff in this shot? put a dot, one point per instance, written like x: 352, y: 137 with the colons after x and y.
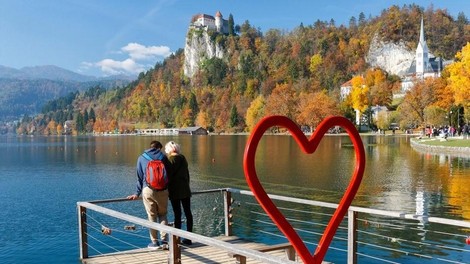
x: 198, y: 48
x: 394, y: 58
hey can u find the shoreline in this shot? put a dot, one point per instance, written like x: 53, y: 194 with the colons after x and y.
x: 419, y: 145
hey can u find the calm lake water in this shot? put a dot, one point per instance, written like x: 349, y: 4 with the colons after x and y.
x: 42, y: 179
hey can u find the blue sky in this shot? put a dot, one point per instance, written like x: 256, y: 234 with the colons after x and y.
x: 106, y: 37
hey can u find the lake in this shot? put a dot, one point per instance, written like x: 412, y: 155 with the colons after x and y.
x: 42, y: 179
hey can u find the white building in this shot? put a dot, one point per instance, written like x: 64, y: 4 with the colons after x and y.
x: 68, y: 127
x: 217, y: 23
x: 425, y: 65
x: 345, y: 90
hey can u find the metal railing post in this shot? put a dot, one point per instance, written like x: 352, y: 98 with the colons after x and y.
x: 82, y: 232
x: 227, y: 212
x: 352, y: 236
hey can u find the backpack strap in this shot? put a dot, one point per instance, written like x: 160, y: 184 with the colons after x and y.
x: 147, y: 156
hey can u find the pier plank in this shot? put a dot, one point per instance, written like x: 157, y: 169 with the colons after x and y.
x: 196, y: 253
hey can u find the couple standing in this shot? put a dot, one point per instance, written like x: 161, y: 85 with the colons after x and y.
x: 178, y: 191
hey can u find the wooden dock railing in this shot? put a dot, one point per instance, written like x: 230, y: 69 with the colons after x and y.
x: 241, y: 253
x: 173, y: 233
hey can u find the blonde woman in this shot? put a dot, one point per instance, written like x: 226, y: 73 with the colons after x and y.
x: 178, y: 186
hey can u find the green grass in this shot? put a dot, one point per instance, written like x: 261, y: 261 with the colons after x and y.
x: 451, y: 142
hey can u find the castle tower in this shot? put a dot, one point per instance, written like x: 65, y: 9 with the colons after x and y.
x: 219, y: 24
x: 422, y: 53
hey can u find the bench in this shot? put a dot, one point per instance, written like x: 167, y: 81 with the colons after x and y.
x: 287, y: 247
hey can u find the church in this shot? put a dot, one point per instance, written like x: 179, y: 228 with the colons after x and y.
x: 425, y: 64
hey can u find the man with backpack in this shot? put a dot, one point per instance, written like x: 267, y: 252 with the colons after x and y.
x: 152, y: 184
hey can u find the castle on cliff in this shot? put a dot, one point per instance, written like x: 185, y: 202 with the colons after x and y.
x: 204, y: 21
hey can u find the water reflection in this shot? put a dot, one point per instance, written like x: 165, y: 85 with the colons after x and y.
x: 396, y: 178
x: 59, y: 171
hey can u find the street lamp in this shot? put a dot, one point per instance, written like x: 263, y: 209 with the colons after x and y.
x: 450, y: 118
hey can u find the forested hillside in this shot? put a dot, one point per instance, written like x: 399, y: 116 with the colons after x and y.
x: 297, y: 74
x: 20, y: 97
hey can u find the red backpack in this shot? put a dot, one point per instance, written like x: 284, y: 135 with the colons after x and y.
x: 156, y: 177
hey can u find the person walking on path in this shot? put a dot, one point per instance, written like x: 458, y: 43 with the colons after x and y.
x: 178, y: 186
x: 155, y: 201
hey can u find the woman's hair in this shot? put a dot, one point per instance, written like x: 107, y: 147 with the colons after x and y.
x: 171, y: 147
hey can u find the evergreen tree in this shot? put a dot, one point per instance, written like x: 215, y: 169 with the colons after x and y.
x: 352, y: 22
x: 92, y: 115
x: 233, y: 116
x: 215, y: 70
x: 332, y: 22
x: 193, y: 104
x: 69, y: 115
x: 80, y: 123
x: 231, y: 26
x: 362, y: 19
x: 85, y: 117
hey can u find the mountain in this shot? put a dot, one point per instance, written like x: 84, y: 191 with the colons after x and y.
x: 11, y: 73
x: 51, y: 72
x: 24, y: 91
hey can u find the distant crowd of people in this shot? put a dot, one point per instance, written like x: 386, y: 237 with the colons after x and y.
x: 447, y: 131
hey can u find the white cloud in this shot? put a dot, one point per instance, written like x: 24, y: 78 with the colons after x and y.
x: 111, y: 67
x: 140, y: 52
x: 136, y: 53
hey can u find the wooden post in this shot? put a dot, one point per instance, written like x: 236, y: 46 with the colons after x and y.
x: 82, y: 232
x: 352, y: 237
x: 174, y: 256
x: 227, y: 212
x: 240, y: 259
x: 290, y: 252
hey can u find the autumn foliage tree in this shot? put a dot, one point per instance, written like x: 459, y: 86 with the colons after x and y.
x: 459, y: 79
x: 282, y: 101
x: 380, y: 87
x: 310, y: 112
x: 51, y: 128
x: 359, y: 96
x: 255, y: 112
x: 417, y: 99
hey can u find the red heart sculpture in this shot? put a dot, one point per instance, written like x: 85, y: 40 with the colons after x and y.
x: 308, y: 146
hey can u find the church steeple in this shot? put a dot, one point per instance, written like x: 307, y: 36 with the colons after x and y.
x: 422, y: 52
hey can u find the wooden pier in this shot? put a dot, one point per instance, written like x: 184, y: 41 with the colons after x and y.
x: 196, y: 253
x: 391, y: 229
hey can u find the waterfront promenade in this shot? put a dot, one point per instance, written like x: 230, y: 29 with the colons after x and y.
x: 439, y: 145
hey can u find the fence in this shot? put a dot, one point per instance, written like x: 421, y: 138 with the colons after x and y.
x: 365, y: 235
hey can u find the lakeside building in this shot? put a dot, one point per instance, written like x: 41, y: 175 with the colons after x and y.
x: 345, y: 90
x: 68, y: 127
x: 425, y: 65
x: 197, y: 130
